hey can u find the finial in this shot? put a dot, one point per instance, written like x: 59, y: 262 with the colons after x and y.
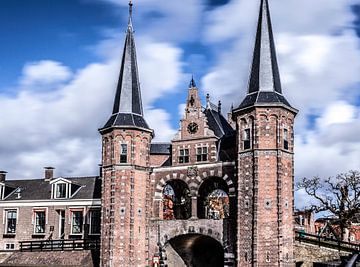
x: 192, y: 82
x: 207, y: 101
x: 219, y: 106
x: 232, y: 107
x: 130, y: 14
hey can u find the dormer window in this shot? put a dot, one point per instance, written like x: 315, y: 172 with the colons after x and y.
x: 246, y: 139
x: 123, y: 153
x: 61, y: 190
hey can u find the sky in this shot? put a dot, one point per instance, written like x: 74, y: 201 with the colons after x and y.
x: 59, y: 63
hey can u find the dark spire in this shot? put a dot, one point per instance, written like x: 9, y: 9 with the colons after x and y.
x: 264, y: 72
x: 192, y: 83
x: 130, y: 27
x: 264, y: 84
x: 127, y: 110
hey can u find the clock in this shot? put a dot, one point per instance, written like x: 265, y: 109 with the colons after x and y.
x: 192, y: 127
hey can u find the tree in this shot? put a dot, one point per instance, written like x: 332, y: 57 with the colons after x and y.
x: 339, y: 196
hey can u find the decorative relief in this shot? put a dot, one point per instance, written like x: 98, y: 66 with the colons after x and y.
x: 192, y: 172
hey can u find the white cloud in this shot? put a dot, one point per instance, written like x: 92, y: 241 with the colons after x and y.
x: 319, y: 60
x: 337, y: 113
x: 58, y: 126
x: 44, y: 72
x: 167, y: 20
x: 159, y: 120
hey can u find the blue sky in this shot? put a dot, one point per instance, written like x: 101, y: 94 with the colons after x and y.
x: 59, y: 66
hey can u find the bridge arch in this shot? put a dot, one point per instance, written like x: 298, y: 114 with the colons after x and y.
x: 194, y: 250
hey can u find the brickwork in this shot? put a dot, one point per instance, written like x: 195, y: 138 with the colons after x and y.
x: 265, y: 188
x: 125, y: 198
x: 25, y: 227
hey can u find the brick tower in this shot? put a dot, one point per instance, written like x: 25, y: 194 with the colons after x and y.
x: 264, y: 122
x: 126, y: 140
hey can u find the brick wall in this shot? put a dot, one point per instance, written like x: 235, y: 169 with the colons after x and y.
x: 265, y: 188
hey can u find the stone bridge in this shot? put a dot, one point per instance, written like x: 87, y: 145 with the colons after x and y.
x: 307, y: 254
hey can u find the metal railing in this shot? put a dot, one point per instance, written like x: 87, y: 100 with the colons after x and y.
x: 327, y: 242
x: 59, y: 245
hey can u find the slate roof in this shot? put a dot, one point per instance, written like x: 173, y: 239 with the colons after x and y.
x: 127, y: 109
x: 264, y: 83
x: 39, y: 189
x: 160, y: 149
x: 217, y: 123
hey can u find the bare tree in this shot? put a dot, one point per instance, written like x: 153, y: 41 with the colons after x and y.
x: 339, y: 196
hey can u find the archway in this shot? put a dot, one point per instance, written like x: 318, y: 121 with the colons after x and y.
x: 213, y: 199
x: 176, y: 201
x: 195, y: 250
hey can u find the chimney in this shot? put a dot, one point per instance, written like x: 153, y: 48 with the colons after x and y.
x: 2, y: 176
x: 48, y: 173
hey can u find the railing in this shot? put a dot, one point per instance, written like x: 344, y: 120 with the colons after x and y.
x: 327, y: 242
x: 62, y: 244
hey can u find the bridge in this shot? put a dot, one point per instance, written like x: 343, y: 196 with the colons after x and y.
x: 314, y: 250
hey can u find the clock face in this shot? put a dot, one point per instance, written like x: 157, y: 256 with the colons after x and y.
x: 192, y: 127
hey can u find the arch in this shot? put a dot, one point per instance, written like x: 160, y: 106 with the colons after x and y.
x: 176, y: 200
x: 194, y: 183
x: 213, y: 199
x: 194, y: 250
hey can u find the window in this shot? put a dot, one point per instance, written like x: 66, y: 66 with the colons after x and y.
x: 77, y: 222
x: 286, y: 139
x: 184, y: 156
x: 11, y: 217
x: 40, y: 222
x: 202, y: 154
x: 9, y: 246
x: 95, y: 222
x: 61, y: 190
x: 246, y: 139
x: 123, y: 153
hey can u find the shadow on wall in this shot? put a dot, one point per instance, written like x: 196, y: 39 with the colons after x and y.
x: 198, y: 250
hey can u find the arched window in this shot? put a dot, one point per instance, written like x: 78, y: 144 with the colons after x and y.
x: 213, y: 199
x: 176, y: 201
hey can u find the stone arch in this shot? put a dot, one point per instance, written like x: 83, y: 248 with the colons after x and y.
x: 194, y: 183
x: 200, y: 250
x: 187, y: 228
x: 208, y: 206
x: 176, y: 200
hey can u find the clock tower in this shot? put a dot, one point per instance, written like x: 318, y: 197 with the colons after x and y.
x: 192, y: 124
x: 195, y: 133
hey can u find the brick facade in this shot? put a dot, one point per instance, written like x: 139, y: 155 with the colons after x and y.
x: 265, y: 188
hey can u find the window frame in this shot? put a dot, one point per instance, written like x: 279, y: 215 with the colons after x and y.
x: 6, y: 217
x: 202, y: 156
x: 81, y: 224
x: 184, y: 155
x: 35, y: 212
x: 246, y: 138
x: 56, y: 186
x: 286, y: 139
x: 123, y: 155
x: 91, y: 212
x: 9, y: 246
